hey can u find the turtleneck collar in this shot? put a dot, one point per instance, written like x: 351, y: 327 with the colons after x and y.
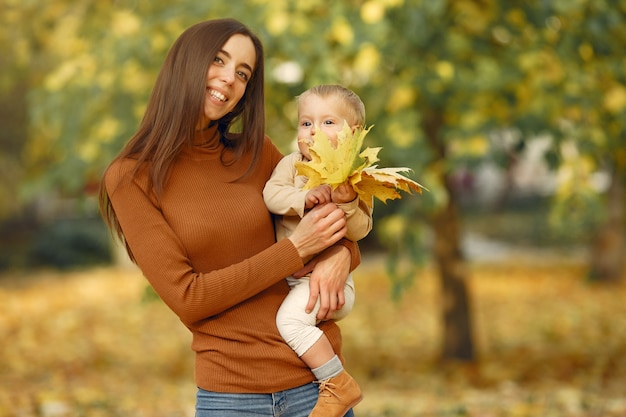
x: 207, y: 138
x: 206, y: 144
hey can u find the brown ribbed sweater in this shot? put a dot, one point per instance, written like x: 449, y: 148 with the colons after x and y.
x: 208, y: 249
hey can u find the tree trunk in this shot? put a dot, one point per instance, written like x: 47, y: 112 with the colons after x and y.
x: 453, y: 271
x: 607, y: 251
x: 13, y: 136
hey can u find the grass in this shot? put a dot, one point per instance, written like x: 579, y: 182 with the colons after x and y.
x: 84, y: 343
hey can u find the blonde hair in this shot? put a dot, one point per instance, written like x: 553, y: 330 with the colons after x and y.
x: 354, y: 106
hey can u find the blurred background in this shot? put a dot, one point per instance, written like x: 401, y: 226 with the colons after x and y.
x: 498, y: 292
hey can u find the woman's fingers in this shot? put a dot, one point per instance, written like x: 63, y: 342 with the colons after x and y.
x: 323, y: 226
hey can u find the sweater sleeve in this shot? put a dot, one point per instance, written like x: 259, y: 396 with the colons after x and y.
x: 281, y: 195
x: 359, y: 219
x: 193, y: 295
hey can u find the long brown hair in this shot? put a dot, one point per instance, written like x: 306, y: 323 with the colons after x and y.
x: 177, y: 103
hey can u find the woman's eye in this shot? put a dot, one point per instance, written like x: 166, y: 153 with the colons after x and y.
x: 218, y: 60
x: 243, y: 76
x: 306, y: 124
x: 329, y: 122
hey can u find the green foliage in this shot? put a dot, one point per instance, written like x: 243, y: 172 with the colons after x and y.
x: 577, y: 214
x: 438, y: 79
x: 63, y: 244
x: 71, y: 243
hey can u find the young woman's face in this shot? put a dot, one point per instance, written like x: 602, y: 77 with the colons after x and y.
x: 327, y: 114
x: 228, y: 77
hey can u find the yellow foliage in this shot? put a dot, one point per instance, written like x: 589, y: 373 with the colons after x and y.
x: 390, y: 227
x: 474, y: 16
x: 134, y: 78
x: 585, y: 51
x: 367, y: 60
x: 82, y: 69
x: 573, y: 113
x: 65, y: 39
x: 575, y: 173
x: 277, y: 22
x: 615, y: 99
x: 88, y: 151
x: 347, y: 163
x: 598, y: 136
x: 139, y: 109
x: 551, y: 68
x: 527, y: 61
x: 445, y: 70
x: 394, y: 3
x: 159, y: 42
x: 499, y: 110
x: 402, y: 96
x: 542, y: 66
x: 341, y: 31
x: 516, y: 17
x: 477, y: 145
x: 59, y: 78
x: 399, y: 135
x: 23, y: 51
x: 501, y: 34
x: 372, y: 11
x: 106, y: 129
x: 472, y: 119
x: 106, y: 79
x: 523, y: 94
x: 125, y: 23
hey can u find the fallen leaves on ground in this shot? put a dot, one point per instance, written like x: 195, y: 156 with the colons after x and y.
x: 549, y: 344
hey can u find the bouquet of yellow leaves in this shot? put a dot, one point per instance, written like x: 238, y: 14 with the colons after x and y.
x: 348, y: 163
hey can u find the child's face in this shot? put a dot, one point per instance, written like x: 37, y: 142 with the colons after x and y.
x: 327, y: 114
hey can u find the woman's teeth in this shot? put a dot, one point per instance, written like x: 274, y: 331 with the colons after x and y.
x: 217, y: 95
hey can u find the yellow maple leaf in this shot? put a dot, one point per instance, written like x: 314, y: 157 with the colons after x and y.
x: 346, y: 162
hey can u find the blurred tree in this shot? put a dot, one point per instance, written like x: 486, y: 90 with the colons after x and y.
x: 457, y: 73
x: 592, y: 124
x: 14, y: 85
x: 86, y: 69
x: 446, y: 82
x: 441, y: 79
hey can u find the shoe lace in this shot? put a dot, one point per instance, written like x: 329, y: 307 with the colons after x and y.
x: 326, y: 388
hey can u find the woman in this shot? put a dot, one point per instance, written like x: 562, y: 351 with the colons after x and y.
x: 185, y: 195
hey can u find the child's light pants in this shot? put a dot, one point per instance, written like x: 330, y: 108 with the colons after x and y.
x: 296, y: 326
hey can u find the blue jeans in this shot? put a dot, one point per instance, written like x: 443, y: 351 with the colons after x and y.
x: 295, y: 402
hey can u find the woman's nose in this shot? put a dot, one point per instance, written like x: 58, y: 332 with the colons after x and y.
x: 227, y: 75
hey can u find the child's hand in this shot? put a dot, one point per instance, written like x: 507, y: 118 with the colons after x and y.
x: 343, y: 193
x: 318, y: 195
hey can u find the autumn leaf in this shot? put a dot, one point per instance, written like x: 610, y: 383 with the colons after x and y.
x: 346, y: 162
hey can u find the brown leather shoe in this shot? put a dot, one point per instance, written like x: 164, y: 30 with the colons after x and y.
x: 337, y: 396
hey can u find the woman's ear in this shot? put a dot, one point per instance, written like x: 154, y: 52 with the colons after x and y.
x: 355, y: 127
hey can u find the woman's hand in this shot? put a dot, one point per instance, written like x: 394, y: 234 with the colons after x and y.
x: 320, y: 228
x: 329, y: 272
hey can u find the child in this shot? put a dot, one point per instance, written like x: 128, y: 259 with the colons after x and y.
x: 325, y: 107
